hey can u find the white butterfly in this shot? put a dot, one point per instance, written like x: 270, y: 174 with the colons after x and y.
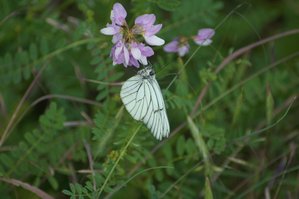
x: 142, y: 97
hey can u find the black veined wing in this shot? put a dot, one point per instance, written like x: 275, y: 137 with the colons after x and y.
x: 142, y: 97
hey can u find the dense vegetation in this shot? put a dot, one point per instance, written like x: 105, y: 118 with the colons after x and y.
x: 232, y: 106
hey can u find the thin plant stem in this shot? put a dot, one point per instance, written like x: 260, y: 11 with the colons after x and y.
x: 20, y: 104
x: 122, y: 153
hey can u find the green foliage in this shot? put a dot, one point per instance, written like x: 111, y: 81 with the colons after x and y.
x: 18, y: 66
x: 64, y: 130
x: 31, y: 156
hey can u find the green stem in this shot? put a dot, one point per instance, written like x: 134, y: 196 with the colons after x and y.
x: 122, y: 153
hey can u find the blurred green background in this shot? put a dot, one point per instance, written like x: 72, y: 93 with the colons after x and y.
x: 65, y: 134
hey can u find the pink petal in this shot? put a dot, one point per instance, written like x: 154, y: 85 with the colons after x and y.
x: 147, y: 51
x: 152, y: 30
x: 134, y: 62
x: 183, y: 51
x: 118, y: 14
x: 207, y: 42
x: 206, y: 33
x: 108, y: 31
x: 136, y: 53
x: 118, y: 51
x: 143, y: 60
x: 126, y: 55
x: 171, y: 47
x: 146, y: 19
x: 154, y: 40
x: 203, y: 42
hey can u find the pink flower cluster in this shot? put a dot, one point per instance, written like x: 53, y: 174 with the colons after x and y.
x: 127, y: 49
x: 181, y: 45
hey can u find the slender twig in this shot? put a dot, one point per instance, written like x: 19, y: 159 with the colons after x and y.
x: 2, y: 108
x: 90, y: 160
x: 103, y: 83
x: 87, y: 118
x: 27, y: 186
x: 67, y: 97
x: 88, y: 171
x: 75, y: 123
x: 56, y: 24
x: 12, y: 14
x: 20, y: 104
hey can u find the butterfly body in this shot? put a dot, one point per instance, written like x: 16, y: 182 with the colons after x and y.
x: 142, y: 97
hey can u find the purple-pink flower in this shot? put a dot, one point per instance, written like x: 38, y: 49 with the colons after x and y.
x: 127, y: 49
x: 203, y: 37
x: 118, y: 18
x: 179, y: 46
x: 144, y: 25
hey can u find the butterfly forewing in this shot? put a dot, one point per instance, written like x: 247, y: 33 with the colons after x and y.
x: 143, y: 99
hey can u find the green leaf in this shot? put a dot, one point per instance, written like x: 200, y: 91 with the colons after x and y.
x: 78, y: 188
x: 53, y: 119
x: 152, y: 191
x: 237, y: 108
x: 30, y: 138
x: 201, y: 145
x: 208, y: 190
x: 53, y: 182
x: 198, y: 139
x: 67, y: 192
x: 33, y: 51
x: 73, y: 188
x: 269, y: 106
x: 207, y: 75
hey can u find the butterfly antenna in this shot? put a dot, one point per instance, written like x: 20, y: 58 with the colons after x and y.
x: 150, y: 63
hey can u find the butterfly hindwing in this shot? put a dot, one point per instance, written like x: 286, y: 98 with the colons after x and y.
x: 143, y: 99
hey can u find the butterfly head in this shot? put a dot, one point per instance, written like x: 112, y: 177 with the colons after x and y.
x: 147, y: 72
